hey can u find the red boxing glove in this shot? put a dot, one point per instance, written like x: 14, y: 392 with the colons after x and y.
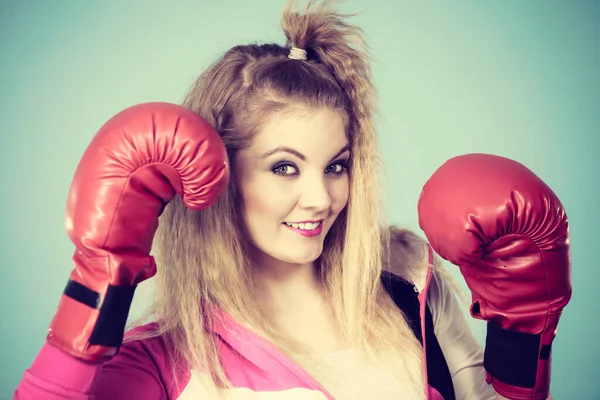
x: 138, y: 161
x: 509, y: 234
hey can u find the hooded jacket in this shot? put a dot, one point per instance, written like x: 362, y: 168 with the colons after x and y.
x: 453, y: 360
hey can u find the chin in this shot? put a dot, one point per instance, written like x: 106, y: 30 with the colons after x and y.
x: 308, y: 258
x: 303, y: 261
x: 291, y: 255
x: 295, y: 256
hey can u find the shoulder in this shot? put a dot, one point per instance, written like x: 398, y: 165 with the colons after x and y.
x: 404, y: 254
x: 145, y: 362
x: 145, y: 339
x: 147, y: 342
x: 141, y: 331
x: 406, y: 257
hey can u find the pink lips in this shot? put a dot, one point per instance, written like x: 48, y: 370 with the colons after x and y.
x: 308, y: 233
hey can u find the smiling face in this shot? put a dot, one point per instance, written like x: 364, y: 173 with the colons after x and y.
x: 293, y: 182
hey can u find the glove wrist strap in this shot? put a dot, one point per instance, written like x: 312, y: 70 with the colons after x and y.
x: 512, y: 357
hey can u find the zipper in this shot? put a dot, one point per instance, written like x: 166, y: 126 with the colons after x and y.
x: 422, y: 296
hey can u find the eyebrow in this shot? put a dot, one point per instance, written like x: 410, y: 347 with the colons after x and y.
x: 284, y: 149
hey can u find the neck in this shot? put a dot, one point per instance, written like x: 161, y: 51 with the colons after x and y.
x: 286, y: 286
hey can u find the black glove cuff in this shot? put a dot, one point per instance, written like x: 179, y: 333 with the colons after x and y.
x: 512, y: 357
x: 112, y: 318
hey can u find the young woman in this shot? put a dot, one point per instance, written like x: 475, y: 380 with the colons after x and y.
x: 274, y: 276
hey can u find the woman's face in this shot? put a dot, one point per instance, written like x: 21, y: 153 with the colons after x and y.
x: 293, y: 182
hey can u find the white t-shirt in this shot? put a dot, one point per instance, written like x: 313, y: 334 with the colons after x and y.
x: 347, y: 378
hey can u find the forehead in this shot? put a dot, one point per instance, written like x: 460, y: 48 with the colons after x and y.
x: 310, y: 131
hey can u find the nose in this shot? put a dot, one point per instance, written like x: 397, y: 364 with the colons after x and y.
x: 316, y: 194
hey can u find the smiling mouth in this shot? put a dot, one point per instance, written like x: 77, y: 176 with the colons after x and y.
x: 307, y: 226
x: 306, y: 229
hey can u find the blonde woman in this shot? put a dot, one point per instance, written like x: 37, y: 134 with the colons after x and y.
x: 274, y: 276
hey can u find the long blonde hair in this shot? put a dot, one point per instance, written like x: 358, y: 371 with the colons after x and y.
x: 204, y: 256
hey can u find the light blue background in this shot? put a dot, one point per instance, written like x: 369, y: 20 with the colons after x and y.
x: 515, y: 78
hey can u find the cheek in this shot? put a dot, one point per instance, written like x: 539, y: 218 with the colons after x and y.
x: 340, y: 192
x: 262, y: 200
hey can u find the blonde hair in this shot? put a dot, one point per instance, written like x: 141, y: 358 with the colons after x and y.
x: 204, y: 256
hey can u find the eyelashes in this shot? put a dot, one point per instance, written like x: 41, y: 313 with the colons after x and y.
x: 340, y: 167
x: 285, y: 169
x: 288, y: 168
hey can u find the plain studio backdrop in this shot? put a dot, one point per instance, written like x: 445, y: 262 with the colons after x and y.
x: 519, y: 79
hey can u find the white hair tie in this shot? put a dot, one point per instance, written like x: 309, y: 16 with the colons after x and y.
x: 297, y: 54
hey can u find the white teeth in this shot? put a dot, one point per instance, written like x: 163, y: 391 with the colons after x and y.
x: 309, y: 226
